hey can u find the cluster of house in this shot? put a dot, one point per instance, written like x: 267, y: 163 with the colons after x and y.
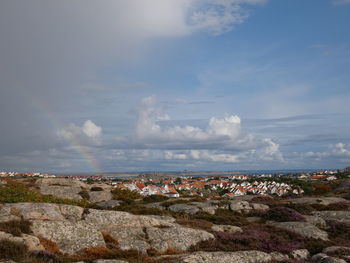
x: 200, y: 186
x: 16, y: 174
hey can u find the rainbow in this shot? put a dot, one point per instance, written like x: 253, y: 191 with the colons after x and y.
x: 74, y: 141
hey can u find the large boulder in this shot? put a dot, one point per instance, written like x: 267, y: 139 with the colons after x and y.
x: 144, y: 232
x: 37, y: 211
x: 343, y: 216
x: 323, y: 258
x: 175, y: 237
x: 185, y: 208
x: 31, y: 242
x: 303, y: 228
x: 110, y: 204
x: 99, y: 196
x: 300, y: 254
x: 40, y: 211
x: 316, y: 220
x: 245, y: 206
x: 61, y: 187
x: 71, y: 237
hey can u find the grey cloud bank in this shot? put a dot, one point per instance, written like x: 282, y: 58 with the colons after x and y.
x: 76, y: 79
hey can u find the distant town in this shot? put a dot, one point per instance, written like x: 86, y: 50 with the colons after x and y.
x: 221, y: 184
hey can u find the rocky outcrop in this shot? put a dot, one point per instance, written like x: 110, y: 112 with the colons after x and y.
x: 303, y: 228
x: 110, y: 204
x: 71, y: 237
x: 252, y: 256
x: 72, y: 228
x: 317, y: 200
x: 61, y: 187
x: 175, y: 237
x: 323, y: 258
x: 343, y: 216
x: 184, y: 208
x: 74, y: 189
x: 100, y: 196
x: 210, y: 206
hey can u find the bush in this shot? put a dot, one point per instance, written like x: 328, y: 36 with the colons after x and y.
x: 125, y: 194
x: 304, y: 209
x: 315, y: 246
x: 154, y: 198
x: 283, y: 214
x: 16, y: 227
x: 263, y: 238
x: 96, y: 189
x: 84, y: 194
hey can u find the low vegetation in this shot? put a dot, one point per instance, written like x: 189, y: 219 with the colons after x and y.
x: 16, y: 192
x: 222, y: 217
x: 254, y: 237
x: 282, y: 214
x: 125, y: 194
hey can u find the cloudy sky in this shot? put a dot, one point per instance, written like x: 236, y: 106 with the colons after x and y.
x: 168, y: 85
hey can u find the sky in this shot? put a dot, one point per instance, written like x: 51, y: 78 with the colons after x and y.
x: 172, y: 85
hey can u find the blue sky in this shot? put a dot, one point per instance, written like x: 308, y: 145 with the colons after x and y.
x: 174, y: 84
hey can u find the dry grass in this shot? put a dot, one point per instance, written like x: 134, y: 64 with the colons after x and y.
x: 49, y: 245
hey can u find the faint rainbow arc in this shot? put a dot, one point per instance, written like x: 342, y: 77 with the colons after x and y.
x: 74, y: 141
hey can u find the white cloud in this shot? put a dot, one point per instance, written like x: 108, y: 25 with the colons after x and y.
x: 221, y: 141
x: 88, y: 133
x: 91, y: 130
x: 220, y: 16
x: 341, y: 2
x: 339, y: 151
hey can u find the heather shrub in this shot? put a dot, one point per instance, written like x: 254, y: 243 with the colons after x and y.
x: 263, y: 238
x: 125, y: 194
x: 154, y: 198
x: 16, y: 227
x: 315, y: 246
x: 222, y: 217
x: 283, y: 214
x: 339, y: 232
